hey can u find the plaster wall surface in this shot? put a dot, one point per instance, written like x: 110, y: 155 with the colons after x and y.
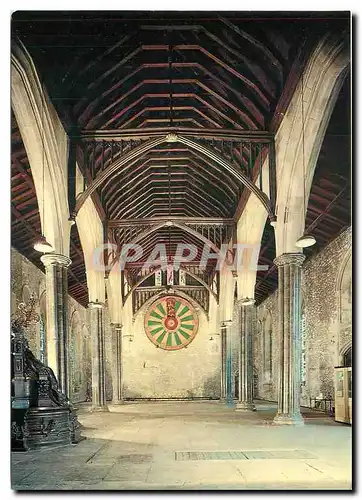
x: 327, y: 305
x: 150, y: 372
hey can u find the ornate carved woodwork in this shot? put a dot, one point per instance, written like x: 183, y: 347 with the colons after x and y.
x: 41, y: 415
x: 141, y: 295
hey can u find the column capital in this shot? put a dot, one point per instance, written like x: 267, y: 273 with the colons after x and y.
x: 117, y: 326
x: 289, y: 258
x: 95, y: 305
x: 55, y: 259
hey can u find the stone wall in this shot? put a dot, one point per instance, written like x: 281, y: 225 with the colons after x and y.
x: 327, y: 306
x: 27, y: 279
x: 149, y: 372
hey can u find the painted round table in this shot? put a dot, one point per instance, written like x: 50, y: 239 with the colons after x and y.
x: 171, y: 323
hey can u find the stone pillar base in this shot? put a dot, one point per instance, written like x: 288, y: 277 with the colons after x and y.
x: 99, y: 408
x: 245, y: 406
x: 285, y: 419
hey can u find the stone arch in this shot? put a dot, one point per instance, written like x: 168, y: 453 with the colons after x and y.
x: 344, y: 306
x: 227, y: 294
x: 46, y: 143
x: 346, y: 353
x: 91, y: 235
x: 321, y: 80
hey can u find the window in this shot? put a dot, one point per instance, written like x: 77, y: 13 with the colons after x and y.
x: 347, y: 357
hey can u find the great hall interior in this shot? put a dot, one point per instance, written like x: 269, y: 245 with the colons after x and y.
x: 181, y: 263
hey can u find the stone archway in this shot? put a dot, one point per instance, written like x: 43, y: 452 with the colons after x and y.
x: 344, y: 297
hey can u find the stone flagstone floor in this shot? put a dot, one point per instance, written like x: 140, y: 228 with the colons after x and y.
x: 192, y: 446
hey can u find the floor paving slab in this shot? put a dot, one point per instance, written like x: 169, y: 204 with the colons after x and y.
x: 134, y: 446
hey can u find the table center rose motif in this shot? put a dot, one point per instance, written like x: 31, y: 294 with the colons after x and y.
x: 171, y: 323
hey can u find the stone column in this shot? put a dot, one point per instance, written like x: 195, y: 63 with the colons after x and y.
x: 289, y: 310
x: 228, y: 367
x: 98, y: 357
x: 56, y: 277
x: 117, y: 364
x: 223, y: 364
x: 247, y: 323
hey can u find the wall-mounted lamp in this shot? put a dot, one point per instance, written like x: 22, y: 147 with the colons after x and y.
x: 71, y: 220
x: 307, y: 240
x: 42, y: 245
x: 247, y: 301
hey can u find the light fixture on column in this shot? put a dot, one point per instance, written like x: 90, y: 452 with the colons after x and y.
x: 227, y: 322
x: 72, y: 220
x: 97, y: 305
x: 247, y: 301
x: 42, y: 245
x: 307, y: 240
x: 273, y: 223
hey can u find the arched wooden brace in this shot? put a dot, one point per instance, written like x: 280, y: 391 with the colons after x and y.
x: 156, y: 227
x: 143, y: 148
x: 200, y: 280
x: 162, y: 292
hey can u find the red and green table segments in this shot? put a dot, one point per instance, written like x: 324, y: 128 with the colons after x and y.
x: 171, y: 323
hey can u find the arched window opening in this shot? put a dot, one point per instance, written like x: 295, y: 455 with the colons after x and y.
x: 344, y: 288
x: 347, y: 358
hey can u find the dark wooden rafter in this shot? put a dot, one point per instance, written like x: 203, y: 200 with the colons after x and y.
x: 122, y: 164
x: 230, y: 80
x: 183, y: 267
x: 26, y: 226
x: 152, y: 132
